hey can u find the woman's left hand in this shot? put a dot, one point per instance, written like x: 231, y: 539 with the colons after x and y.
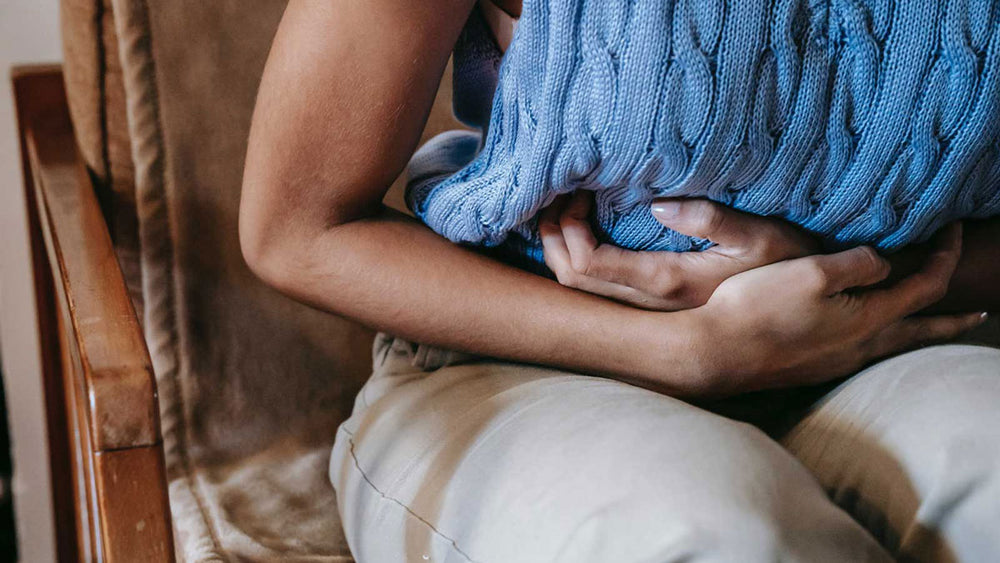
x: 661, y: 280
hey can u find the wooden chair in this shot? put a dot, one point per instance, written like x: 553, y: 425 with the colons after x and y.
x: 190, y: 409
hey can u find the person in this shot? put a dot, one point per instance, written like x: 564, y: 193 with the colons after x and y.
x: 762, y: 401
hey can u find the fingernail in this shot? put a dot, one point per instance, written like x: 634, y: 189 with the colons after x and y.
x: 983, y: 316
x: 665, y: 208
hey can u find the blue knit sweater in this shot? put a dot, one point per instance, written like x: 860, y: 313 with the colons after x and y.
x: 863, y: 121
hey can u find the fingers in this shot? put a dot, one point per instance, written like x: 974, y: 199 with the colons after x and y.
x: 572, y: 252
x: 911, y: 333
x: 857, y: 267
x: 559, y: 260
x: 575, y: 224
x: 553, y: 242
x: 929, y: 284
x: 673, y: 280
x: 704, y: 219
x: 713, y: 221
x: 602, y: 261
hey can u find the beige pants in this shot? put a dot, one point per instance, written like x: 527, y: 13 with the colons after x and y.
x: 453, y: 458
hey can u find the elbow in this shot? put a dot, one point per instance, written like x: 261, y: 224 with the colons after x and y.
x: 281, y: 236
x: 260, y: 253
x: 269, y: 247
x: 286, y: 246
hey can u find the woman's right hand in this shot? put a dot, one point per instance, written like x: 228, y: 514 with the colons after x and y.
x: 662, y: 280
x: 808, y: 320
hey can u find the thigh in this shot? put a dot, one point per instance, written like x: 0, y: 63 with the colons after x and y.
x: 911, y: 448
x: 489, y: 461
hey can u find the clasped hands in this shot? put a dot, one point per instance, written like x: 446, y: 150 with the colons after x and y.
x: 794, y: 315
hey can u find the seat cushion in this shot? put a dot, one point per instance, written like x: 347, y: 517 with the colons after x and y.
x: 274, y: 505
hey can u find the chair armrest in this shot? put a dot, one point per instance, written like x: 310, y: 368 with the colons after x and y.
x: 117, y: 376
x: 106, y: 454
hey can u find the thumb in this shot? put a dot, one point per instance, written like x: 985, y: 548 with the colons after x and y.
x: 706, y: 219
x: 857, y: 267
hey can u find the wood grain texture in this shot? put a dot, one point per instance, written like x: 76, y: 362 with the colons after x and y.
x: 118, y: 378
x: 142, y: 531
x: 106, y: 453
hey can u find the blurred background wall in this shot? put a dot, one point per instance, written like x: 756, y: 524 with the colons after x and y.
x: 29, y: 32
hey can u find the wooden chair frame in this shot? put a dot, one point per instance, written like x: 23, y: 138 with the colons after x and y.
x: 106, y: 453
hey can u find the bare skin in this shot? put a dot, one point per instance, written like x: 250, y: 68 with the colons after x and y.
x: 670, y: 281
x: 665, y: 281
x: 345, y: 93
x: 512, y: 7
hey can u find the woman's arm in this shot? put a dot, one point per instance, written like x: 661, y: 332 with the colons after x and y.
x: 662, y: 280
x: 344, y: 97
x: 669, y: 281
x: 976, y: 283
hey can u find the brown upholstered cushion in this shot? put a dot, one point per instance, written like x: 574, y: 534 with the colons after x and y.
x: 96, y: 96
x: 82, y: 71
x: 252, y: 385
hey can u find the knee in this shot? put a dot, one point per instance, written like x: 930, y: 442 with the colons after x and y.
x: 735, y: 496
x: 957, y: 485
x: 934, y: 412
x: 627, y: 533
x: 911, y: 448
x: 726, y: 528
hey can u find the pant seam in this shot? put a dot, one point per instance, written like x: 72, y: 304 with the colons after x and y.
x: 357, y: 465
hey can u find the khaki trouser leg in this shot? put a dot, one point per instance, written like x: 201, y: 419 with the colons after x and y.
x: 489, y: 461
x: 911, y: 448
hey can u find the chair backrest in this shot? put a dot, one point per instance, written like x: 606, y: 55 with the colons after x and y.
x: 161, y: 93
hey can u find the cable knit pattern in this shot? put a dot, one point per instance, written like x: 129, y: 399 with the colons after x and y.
x: 863, y: 121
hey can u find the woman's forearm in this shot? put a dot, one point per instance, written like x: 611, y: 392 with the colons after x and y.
x: 976, y: 283
x: 394, y: 274
x: 343, y: 99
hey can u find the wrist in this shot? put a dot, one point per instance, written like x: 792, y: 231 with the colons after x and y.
x: 676, y: 353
